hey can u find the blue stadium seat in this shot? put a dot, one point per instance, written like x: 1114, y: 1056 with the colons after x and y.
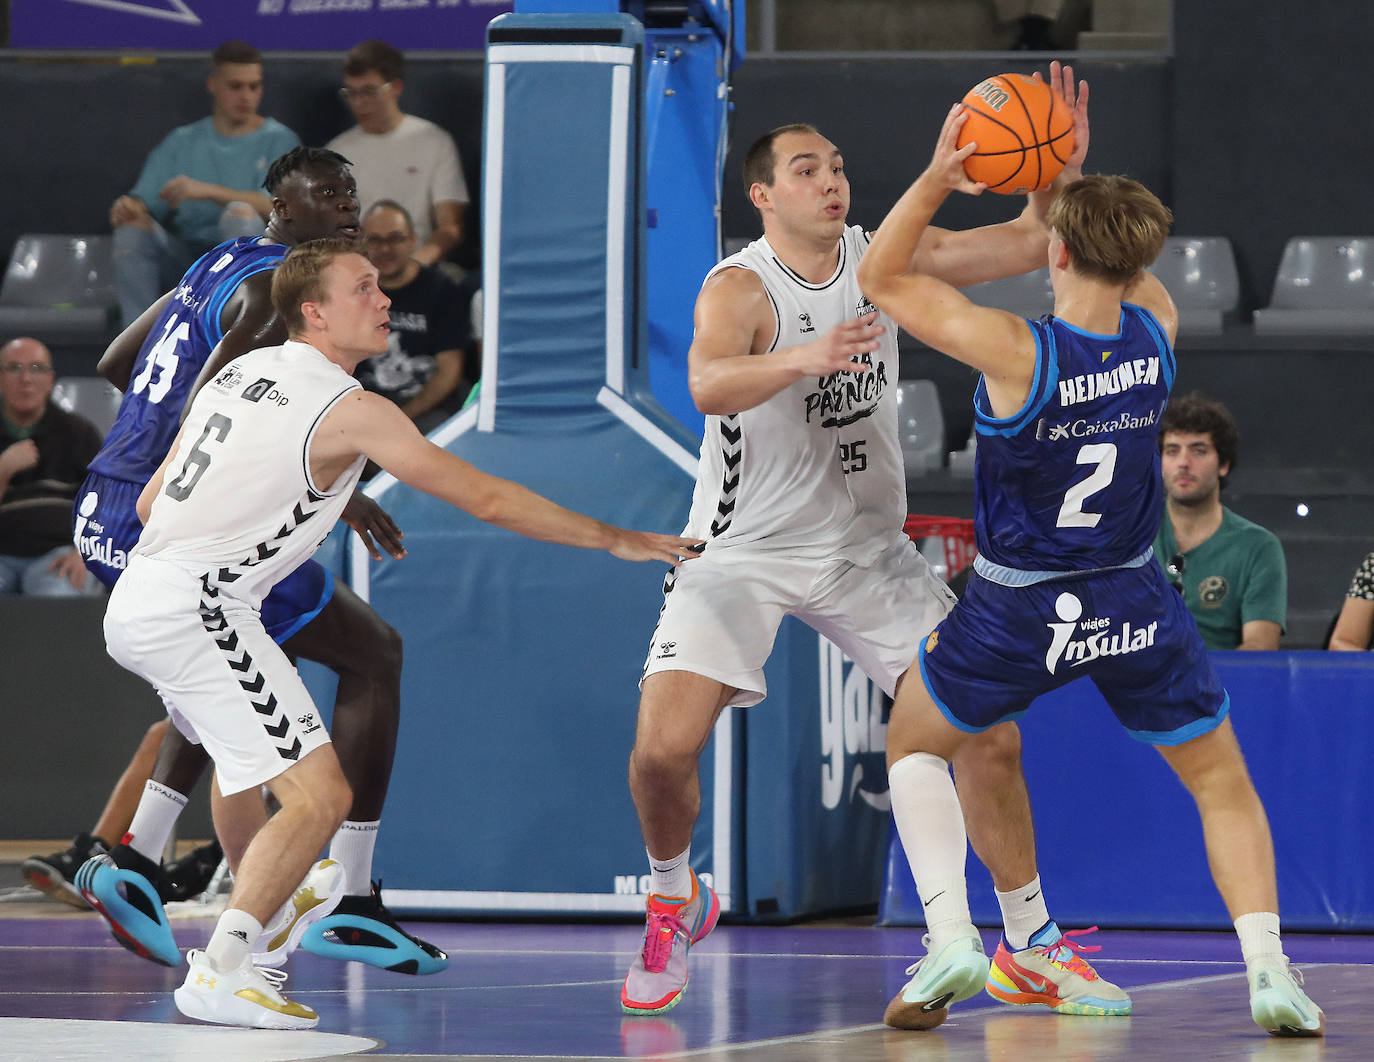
x: 1324, y: 285
x: 1026, y: 294
x: 59, y: 288
x: 1200, y: 273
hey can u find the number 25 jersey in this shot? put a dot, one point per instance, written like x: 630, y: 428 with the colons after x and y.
x: 180, y: 343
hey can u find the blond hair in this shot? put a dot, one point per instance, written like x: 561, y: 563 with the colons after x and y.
x: 300, y: 278
x: 1113, y: 226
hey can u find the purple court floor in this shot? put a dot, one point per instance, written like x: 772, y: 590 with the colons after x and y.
x: 67, y: 991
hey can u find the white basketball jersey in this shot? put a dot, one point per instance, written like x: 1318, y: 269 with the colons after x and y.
x: 816, y: 470
x: 237, y: 503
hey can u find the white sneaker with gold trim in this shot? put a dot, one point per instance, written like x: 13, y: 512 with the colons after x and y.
x: 249, y: 996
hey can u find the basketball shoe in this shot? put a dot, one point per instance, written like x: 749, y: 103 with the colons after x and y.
x: 954, y: 973
x: 249, y: 996
x: 187, y: 877
x: 123, y: 887
x: 1280, y: 1006
x: 317, y: 897
x: 361, y: 929
x: 1051, y: 971
x: 55, y: 875
x: 673, y: 924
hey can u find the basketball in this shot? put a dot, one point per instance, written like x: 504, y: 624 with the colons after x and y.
x: 1024, y: 131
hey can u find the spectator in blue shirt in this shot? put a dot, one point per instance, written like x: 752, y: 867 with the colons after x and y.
x: 200, y: 186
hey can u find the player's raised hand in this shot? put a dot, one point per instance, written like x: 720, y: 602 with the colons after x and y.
x: 1076, y: 96
x: 947, y: 163
x: 836, y: 349
x: 651, y: 546
x: 371, y: 522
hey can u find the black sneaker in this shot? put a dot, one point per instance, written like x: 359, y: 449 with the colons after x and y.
x: 54, y: 874
x: 187, y: 877
x: 361, y: 929
x: 126, y: 858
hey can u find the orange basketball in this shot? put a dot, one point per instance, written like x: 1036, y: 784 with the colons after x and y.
x: 1024, y: 131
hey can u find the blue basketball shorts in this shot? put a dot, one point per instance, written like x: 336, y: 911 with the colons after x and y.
x: 1127, y: 630
x: 105, y: 529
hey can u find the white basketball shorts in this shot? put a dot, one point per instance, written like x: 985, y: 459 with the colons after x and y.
x: 721, y: 613
x: 227, y: 685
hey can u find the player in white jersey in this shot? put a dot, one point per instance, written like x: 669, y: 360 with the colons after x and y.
x: 801, y: 495
x: 269, y: 453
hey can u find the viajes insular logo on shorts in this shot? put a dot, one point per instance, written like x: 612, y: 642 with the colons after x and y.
x: 1099, y: 639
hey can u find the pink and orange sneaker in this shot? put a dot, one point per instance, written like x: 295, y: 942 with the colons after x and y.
x: 1053, y: 973
x: 673, y: 924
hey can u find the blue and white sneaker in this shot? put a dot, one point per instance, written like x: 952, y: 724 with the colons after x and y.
x: 1280, y: 1006
x: 361, y: 929
x: 954, y: 973
x: 129, y: 903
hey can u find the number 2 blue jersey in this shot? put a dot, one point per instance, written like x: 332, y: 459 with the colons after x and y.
x: 172, y: 356
x: 1071, y: 482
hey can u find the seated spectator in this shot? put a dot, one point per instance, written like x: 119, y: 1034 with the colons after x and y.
x: 200, y: 186
x: 1231, y: 572
x: 44, y: 451
x: 1354, y: 631
x: 422, y: 368
x: 398, y: 156
x: 1034, y: 20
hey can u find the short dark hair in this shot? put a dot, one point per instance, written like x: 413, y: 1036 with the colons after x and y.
x: 235, y: 52
x: 298, y: 279
x: 391, y: 204
x: 1196, y: 414
x: 759, y: 161
x: 375, y: 55
x: 299, y: 158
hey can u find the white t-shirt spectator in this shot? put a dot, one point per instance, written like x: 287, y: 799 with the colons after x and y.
x: 416, y: 164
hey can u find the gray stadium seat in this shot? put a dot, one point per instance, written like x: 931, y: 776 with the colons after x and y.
x: 1324, y: 284
x: 1027, y: 294
x: 59, y: 288
x: 1200, y: 273
x: 921, y: 425
x: 93, y: 397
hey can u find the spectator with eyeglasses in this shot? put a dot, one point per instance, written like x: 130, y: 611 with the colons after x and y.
x: 44, y: 451
x: 399, y: 156
x: 422, y: 369
x: 1231, y: 572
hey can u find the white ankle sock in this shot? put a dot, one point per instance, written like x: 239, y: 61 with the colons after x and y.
x: 931, y: 826
x: 671, y: 877
x: 1023, y: 912
x: 232, y: 941
x: 353, y: 846
x: 157, y: 813
x: 1260, y: 943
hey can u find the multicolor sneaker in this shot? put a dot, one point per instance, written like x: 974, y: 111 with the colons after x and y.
x: 1280, y: 1006
x: 1051, y: 971
x: 361, y: 929
x: 248, y: 996
x: 128, y: 900
x: 317, y: 897
x: 954, y: 973
x: 673, y: 924
x: 55, y: 875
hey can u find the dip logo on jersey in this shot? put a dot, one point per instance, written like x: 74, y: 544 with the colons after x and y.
x: 853, y: 720
x: 1212, y: 591
x: 264, y: 388
x: 1090, y: 385
x: 1086, y: 429
x: 229, y: 378
x: 1097, y: 638
x: 95, y: 546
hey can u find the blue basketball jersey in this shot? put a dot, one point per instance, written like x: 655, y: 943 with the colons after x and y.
x: 172, y: 356
x: 1071, y: 482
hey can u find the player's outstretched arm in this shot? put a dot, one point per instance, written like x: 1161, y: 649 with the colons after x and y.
x: 367, y: 423
x: 729, y: 366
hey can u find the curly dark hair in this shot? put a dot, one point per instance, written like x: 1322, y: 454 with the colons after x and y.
x: 1196, y: 414
x: 298, y: 158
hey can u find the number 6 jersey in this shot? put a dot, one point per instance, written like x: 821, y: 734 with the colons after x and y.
x: 238, y: 504
x: 172, y: 356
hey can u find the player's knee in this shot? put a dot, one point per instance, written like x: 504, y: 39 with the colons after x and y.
x: 658, y: 761
x: 997, y: 750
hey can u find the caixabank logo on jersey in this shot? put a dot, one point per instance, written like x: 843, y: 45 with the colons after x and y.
x: 853, y: 732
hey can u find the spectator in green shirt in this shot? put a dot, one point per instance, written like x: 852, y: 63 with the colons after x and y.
x: 1231, y: 572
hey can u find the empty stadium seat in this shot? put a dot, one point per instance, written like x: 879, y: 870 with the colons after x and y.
x: 1026, y: 294
x: 59, y: 288
x: 921, y: 425
x: 1324, y: 284
x: 1200, y: 274
x: 93, y: 397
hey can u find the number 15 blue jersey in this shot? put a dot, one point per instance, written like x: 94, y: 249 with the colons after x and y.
x: 1071, y: 482
x: 172, y: 356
